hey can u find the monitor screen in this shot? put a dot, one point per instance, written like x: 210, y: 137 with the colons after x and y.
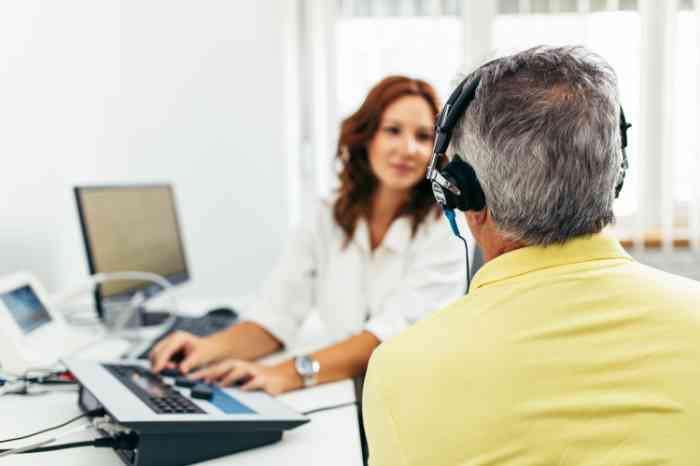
x: 131, y: 228
x: 25, y: 308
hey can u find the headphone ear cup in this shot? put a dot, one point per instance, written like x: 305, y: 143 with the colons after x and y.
x: 462, y: 175
x: 624, y: 126
x: 621, y: 174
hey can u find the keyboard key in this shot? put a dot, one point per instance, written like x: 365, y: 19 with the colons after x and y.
x: 184, y: 381
x: 170, y: 400
x: 170, y: 372
x: 202, y: 391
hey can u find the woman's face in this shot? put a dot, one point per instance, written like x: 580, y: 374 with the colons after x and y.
x: 401, y: 147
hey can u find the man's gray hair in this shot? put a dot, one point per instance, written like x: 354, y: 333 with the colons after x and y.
x: 543, y: 137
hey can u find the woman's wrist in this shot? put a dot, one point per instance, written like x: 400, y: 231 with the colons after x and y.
x: 288, y: 372
x: 219, y: 344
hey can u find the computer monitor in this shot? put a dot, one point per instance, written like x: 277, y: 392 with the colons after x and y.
x: 130, y: 228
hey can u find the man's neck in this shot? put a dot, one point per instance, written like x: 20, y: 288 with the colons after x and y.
x: 492, y: 241
x: 493, y: 250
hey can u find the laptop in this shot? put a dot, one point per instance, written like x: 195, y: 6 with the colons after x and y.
x: 33, y: 335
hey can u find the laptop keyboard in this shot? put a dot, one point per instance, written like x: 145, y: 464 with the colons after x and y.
x: 150, y: 388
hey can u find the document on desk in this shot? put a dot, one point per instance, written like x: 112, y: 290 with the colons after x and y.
x: 320, y: 396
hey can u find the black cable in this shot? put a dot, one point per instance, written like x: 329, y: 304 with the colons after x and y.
x: 466, y: 251
x: 94, y: 412
x: 123, y: 441
x: 61, y: 446
x: 50, y: 378
x: 49, y: 382
x: 328, y: 408
x: 450, y: 214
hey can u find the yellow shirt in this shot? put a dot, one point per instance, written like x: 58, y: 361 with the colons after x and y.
x: 559, y: 356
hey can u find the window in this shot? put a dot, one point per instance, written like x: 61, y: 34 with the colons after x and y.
x: 374, y: 43
x: 686, y: 163
x: 613, y: 34
x: 651, y: 44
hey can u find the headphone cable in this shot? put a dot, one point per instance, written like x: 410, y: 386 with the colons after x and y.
x: 466, y: 253
x: 450, y: 214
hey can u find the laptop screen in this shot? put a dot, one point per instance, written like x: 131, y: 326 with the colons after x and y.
x: 25, y: 308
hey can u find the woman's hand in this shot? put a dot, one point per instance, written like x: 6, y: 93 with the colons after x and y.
x: 191, y: 350
x: 251, y: 376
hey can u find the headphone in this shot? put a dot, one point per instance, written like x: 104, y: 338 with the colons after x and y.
x: 456, y: 186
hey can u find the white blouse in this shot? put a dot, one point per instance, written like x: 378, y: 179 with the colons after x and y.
x: 354, y: 288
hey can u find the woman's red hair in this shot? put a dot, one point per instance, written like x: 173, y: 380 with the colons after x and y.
x: 357, y: 181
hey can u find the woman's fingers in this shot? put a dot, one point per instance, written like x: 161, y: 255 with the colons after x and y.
x: 213, y: 372
x: 241, y: 373
x: 255, y: 383
x: 163, y: 351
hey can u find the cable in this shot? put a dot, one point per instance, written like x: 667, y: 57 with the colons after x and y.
x: 117, y: 327
x: 122, y: 441
x: 94, y: 412
x: 60, y: 377
x: 34, y: 382
x: 44, y: 442
x: 450, y: 214
x: 466, y: 251
x: 61, y: 446
x: 137, y: 300
x: 328, y: 408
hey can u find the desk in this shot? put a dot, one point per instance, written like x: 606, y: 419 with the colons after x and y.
x: 332, y: 437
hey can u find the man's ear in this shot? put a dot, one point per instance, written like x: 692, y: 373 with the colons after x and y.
x: 477, y: 217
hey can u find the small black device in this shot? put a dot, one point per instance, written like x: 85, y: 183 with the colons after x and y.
x: 174, y: 425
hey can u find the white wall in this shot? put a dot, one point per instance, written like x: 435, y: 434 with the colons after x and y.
x: 143, y: 90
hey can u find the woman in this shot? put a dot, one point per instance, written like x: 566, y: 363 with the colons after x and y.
x: 375, y: 259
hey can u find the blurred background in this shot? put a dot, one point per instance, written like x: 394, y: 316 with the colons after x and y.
x: 238, y: 104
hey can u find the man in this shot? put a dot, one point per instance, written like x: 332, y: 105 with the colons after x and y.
x: 566, y: 351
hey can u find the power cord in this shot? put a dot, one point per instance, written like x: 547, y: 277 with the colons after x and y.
x: 91, y: 413
x: 52, y: 447
x: 114, y: 436
x: 121, y: 441
x: 328, y: 408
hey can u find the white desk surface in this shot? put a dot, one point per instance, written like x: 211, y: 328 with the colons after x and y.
x: 332, y: 437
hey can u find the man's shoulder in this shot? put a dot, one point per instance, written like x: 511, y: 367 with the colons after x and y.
x: 669, y: 286
x: 418, y: 340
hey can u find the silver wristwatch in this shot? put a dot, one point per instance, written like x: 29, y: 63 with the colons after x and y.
x: 307, y: 367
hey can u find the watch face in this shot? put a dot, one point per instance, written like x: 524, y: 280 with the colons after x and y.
x: 305, y: 365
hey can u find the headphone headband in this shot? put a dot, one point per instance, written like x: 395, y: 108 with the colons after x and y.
x: 454, y: 108
x: 456, y: 185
